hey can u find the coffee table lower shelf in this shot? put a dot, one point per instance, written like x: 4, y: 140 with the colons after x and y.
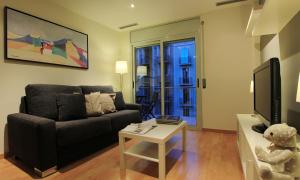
x: 149, y: 151
x: 152, y: 146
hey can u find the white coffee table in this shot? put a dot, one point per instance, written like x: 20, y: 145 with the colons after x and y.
x: 152, y: 146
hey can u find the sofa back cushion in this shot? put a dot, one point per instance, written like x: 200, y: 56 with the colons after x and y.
x: 101, y: 89
x: 119, y: 101
x: 44, y: 106
x: 71, y: 107
x: 41, y: 98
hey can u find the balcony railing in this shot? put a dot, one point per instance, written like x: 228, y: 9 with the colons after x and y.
x: 187, y: 103
x: 185, y: 61
x: 186, y: 81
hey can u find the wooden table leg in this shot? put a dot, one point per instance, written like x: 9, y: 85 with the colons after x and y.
x: 122, y: 156
x: 184, y: 138
x: 162, y: 161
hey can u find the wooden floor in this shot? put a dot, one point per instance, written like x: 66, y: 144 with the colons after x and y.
x: 209, y: 156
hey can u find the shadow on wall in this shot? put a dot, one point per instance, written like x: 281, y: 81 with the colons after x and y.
x: 293, y: 119
x: 264, y: 40
x: 289, y: 38
x: 289, y: 51
x: 6, y: 148
x: 30, y: 63
x: 289, y: 45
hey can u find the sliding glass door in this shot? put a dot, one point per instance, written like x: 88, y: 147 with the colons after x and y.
x: 175, y: 74
x: 180, y: 80
x: 148, y: 78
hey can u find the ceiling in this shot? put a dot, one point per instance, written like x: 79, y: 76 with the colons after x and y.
x: 116, y: 13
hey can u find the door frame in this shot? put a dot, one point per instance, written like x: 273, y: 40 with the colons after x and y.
x: 161, y: 41
x: 134, y: 46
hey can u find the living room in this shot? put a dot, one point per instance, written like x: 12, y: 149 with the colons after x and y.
x: 222, y: 42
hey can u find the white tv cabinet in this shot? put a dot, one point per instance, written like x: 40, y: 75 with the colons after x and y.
x: 247, y: 140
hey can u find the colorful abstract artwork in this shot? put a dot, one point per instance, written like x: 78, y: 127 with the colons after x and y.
x: 29, y: 38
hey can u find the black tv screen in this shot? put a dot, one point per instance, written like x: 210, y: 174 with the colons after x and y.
x: 262, y: 89
x: 267, y: 91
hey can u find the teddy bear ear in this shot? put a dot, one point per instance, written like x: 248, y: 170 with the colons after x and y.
x: 293, y: 131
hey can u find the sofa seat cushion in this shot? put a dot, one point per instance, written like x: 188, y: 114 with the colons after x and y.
x: 76, y: 131
x: 121, y: 119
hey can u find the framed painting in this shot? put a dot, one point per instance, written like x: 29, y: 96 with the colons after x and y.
x: 30, y: 38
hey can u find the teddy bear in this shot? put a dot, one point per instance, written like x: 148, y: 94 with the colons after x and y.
x: 283, y: 154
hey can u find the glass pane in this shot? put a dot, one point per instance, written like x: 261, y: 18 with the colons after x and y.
x: 180, y: 80
x: 147, y: 80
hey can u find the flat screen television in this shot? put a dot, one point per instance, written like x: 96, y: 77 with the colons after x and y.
x: 267, y: 94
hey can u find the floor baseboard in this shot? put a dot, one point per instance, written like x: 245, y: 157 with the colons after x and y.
x: 1, y: 156
x: 220, y: 131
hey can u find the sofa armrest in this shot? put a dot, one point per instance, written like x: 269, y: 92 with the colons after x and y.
x: 133, y: 106
x: 33, y: 140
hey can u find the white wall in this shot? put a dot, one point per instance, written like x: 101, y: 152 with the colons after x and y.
x: 14, y: 76
x: 286, y: 46
x: 230, y: 57
x: 165, y: 31
x: 229, y: 60
x: 126, y: 55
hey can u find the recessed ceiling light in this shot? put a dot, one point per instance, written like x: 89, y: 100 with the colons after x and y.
x: 132, y: 5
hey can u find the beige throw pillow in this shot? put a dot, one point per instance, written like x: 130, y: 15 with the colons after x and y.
x: 107, y: 103
x: 93, y: 104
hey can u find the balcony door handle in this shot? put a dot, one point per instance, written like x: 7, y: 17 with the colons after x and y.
x: 203, y: 83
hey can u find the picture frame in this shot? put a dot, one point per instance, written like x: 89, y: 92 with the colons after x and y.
x: 33, y: 39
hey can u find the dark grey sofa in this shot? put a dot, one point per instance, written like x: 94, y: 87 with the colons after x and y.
x: 46, y: 144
